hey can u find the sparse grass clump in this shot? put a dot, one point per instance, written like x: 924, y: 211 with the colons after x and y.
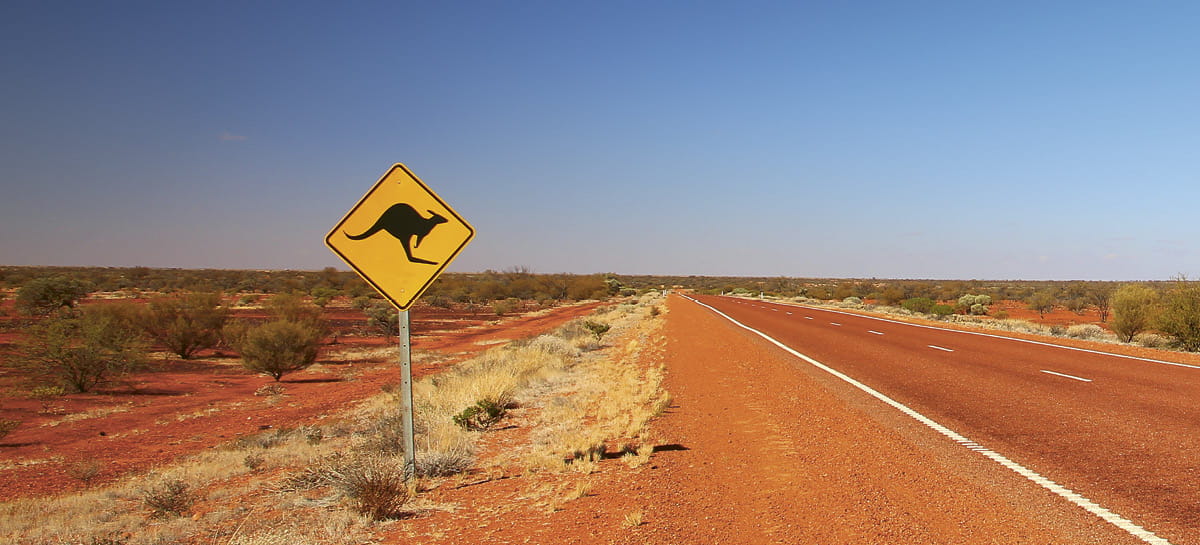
x: 169, y: 498
x: 1085, y: 331
x: 85, y: 470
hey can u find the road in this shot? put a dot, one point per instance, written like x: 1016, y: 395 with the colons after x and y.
x: 1116, y: 432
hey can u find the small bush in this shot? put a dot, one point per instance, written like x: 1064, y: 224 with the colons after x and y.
x: 374, y: 484
x: 84, y: 470
x: 170, y: 498
x: 1085, y: 331
x: 80, y: 353
x: 852, y: 300
x: 1133, y: 310
x: 1179, y: 316
x: 49, y: 294
x: 279, y: 347
x: 187, y: 324
x: 505, y: 306
x: 597, y: 329
x: 1151, y: 340
x: 384, y: 317
x: 481, y: 416
x: 976, y: 305
x: 918, y: 304
x: 253, y: 461
x: 941, y: 310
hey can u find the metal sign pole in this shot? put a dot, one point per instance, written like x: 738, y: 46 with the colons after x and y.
x: 406, y: 399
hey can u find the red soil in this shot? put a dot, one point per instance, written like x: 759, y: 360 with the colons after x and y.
x: 180, y: 407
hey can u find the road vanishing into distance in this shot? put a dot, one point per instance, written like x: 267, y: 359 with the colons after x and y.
x: 1115, y: 435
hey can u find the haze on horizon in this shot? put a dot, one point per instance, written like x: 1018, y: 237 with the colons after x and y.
x: 1011, y: 141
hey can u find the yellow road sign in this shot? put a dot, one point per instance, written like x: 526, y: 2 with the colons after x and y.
x: 400, y: 236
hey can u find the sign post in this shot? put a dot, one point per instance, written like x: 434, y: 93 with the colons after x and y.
x: 406, y: 398
x: 399, y: 238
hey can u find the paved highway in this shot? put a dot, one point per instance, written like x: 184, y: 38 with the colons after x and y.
x: 1120, y: 432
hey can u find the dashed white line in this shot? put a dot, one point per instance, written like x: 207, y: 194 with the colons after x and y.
x: 1081, y: 379
x: 1062, y: 491
x: 834, y: 323
x: 874, y: 332
x: 808, y: 317
x: 935, y: 347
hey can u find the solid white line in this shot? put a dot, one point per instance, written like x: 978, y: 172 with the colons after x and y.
x: 1066, y: 493
x: 873, y: 331
x: 939, y: 348
x: 1068, y: 376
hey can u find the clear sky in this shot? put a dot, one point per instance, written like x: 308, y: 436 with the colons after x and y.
x: 1031, y: 140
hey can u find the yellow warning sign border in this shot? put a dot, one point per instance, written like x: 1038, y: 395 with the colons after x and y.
x: 442, y: 266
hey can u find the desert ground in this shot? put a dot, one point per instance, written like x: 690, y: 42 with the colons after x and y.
x: 743, y: 445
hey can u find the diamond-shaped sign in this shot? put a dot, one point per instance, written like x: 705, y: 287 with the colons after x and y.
x: 400, y: 236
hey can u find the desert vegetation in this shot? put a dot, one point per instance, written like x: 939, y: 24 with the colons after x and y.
x: 563, y: 401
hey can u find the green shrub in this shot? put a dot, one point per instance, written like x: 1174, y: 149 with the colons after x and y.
x: 597, y: 329
x: 1180, y: 315
x: 974, y: 304
x: 1043, y: 301
x: 361, y: 302
x: 48, y: 294
x: 278, y: 347
x: 81, y: 352
x: 941, y: 310
x: 1133, y: 310
x: 481, y: 416
x: 188, y: 324
x: 322, y: 296
x: 384, y: 317
x: 918, y: 304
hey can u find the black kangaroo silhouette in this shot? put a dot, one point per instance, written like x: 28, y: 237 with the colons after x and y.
x: 403, y: 222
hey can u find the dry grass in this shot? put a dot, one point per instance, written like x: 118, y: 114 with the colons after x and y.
x: 634, y: 519
x: 578, y: 395
x: 608, y: 398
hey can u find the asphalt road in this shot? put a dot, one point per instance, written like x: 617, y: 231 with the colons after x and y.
x: 1123, y: 433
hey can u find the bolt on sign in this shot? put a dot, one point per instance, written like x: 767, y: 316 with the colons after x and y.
x: 400, y: 236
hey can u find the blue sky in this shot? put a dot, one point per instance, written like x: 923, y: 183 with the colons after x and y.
x: 851, y: 139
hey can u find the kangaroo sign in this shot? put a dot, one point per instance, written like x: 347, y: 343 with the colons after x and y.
x: 400, y: 236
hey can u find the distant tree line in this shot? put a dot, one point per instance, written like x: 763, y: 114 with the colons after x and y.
x: 323, y: 285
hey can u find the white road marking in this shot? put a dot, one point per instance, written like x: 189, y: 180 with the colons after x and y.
x: 1068, y: 376
x: 873, y: 331
x: 1002, y: 337
x: 834, y: 323
x: 808, y: 317
x: 939, y: 348
x: 1064, y: 492
x: 789, y: 314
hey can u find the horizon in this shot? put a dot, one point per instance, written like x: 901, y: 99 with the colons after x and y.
x: 505, y: 270
x: 1025, y: 141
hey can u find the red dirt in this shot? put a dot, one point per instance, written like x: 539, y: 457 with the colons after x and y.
x: 181, y: 407
x: 757, y: 451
